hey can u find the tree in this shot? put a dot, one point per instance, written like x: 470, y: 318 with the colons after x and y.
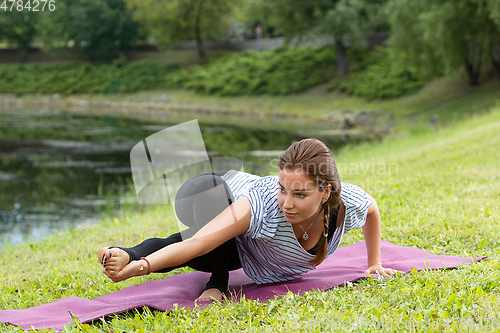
x: 103, y: 28
x: 494, y: 9
x: 345, y: 20
x: 447, y: 34
x: 170, y: 21
x: 18, y: 27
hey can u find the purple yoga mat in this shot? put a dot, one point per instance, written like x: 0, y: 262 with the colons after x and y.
x: 347, y: 264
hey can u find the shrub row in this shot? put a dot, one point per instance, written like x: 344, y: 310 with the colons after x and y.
x: 278, y: 72
x: 383, y: 74
x: 78, y: 77
x: 386, y: 74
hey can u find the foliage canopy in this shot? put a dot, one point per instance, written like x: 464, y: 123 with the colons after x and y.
x: 168, y: 22
x: 18, y: 27
x: 103, y: 28
x: 447, y: 34
x: 345, y: 20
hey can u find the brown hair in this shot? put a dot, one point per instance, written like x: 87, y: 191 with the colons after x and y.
x: 315, y: 159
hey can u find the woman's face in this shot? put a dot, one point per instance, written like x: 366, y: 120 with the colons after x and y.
x: 298, y: 196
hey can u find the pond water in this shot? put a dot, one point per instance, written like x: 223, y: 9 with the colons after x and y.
x: 59, y: 170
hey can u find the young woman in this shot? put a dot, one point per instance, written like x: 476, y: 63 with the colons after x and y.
x: 277, y: 227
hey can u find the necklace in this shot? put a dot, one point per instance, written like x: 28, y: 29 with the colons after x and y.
x: 305, y: 236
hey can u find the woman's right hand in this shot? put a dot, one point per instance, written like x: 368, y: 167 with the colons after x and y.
x: 130, y: 270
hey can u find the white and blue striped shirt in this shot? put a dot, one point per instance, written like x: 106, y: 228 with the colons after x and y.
x: 269, y: 251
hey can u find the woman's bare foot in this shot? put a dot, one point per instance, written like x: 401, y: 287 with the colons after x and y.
x: 113, y: 261
x: 210, y: 295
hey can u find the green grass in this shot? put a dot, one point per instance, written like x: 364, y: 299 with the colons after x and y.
x: 437, y: 190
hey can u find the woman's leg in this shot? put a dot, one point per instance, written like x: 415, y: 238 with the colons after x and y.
x: 200, y: 199
x: 197, y: 202
x: 195, y: 210
x: 219, y: 261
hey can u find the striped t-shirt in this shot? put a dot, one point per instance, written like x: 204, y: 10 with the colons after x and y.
x: 269, y: 251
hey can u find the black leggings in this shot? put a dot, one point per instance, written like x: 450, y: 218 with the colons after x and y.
x: 197, y: 202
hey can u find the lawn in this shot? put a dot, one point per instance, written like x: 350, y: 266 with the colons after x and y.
x: 437, y: 190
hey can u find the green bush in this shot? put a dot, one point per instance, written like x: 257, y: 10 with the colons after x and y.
x: 79, y: 77
x: 278, y: 72
x: 387, y: 75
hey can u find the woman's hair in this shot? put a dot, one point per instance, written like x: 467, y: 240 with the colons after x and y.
x: 315, y: 159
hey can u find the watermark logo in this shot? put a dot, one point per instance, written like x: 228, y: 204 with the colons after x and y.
x: 166, y: 168
x: 371, y: 173
x: 354, y: 324
x: 164, y: 160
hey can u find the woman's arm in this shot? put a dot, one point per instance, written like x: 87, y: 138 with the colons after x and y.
x: 371, y: 233
x: 232, y: 222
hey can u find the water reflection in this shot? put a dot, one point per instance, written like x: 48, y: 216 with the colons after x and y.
x: 58, y: 171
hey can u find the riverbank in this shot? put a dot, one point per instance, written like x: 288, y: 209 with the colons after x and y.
x: 448, y: 98
x: 436, y: 190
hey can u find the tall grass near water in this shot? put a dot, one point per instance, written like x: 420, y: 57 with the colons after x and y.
x: 438, y: 191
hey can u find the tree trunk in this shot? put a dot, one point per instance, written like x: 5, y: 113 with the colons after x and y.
x: 197, y: 32
x: 473, y: 66
x: 23, y: 56
x: 495, y: 59
x: 22, y: 53
x: 342, y: 63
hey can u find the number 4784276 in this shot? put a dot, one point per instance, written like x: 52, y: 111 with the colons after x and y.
x: 28, y: 5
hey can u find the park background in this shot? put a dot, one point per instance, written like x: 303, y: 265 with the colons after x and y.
x: 405, y: 93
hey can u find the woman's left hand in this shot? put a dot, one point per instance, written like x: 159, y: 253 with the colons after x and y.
x: 374, y: 269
